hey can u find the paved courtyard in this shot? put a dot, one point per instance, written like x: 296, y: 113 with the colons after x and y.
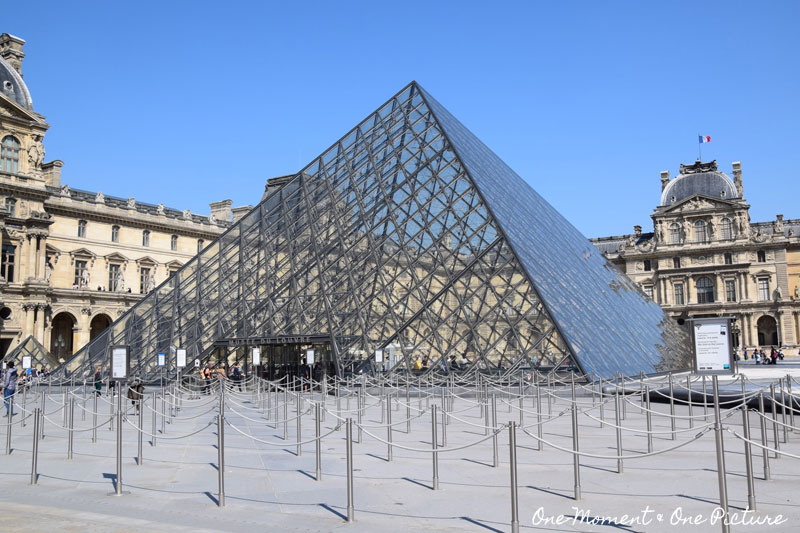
x: 267, y: 486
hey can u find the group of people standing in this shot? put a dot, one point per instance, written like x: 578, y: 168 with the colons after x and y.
x: 762, y: 358
x: 208, y: 372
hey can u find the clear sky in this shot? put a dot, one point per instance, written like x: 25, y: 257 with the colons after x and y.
x: 191, y: 102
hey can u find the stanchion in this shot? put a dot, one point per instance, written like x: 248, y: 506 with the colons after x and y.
x: 602, y: 405
x: 763, y: 426
x: 649, y: 417
x: 24, y: 397
x: 318, y: 441
x: 37, y: 422
x: 43, y: 403
x: 538, y: 417
x: 783, y: 412
x: 791, y: 399
x: 389, y: 428
x: 299, y: 424
x: 705, y: 400
x: 94, y: 418
x: 671, y: 407
x: 8, y: 427
x: 408, y: 410
x: 576, y: 462
x: 689, y: 401
x: 719, y: 445
x: 154, y: 419
x: 349, y: 446
x: 70, y: 427
x: 140, y: 406
x: 285, y: 413
x: 774, y: 421
x: 512, y: 456
x: 748, y: 453
x: 359, y: 413
x: 221, y: 459
x: 493, y: 429
x: 118, y: 484
x: 435, y: 445
x: 619, y: 431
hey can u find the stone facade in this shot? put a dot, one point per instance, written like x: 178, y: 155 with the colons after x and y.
x: 706, y: 258
x: 72, y: 260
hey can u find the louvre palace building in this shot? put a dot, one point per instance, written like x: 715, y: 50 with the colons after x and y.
x: 73, y: 261
x: 705, y: 257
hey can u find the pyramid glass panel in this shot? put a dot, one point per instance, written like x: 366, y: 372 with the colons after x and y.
x: 32, y: 348
x: 407, y: 236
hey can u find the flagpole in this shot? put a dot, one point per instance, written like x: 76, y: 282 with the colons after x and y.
x: 699, y: 148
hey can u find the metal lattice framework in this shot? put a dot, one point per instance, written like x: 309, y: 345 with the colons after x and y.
x: 398, y: 238
x: 32, y: 348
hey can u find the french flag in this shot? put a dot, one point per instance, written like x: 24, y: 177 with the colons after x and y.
x: 705, y: 139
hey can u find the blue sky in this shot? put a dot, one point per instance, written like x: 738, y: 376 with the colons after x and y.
x: 191, y: 102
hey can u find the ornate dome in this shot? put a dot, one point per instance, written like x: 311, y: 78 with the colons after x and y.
x: 12, y: 86
x: 699, y: 178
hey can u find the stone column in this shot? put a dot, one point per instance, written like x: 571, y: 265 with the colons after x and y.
x: 779, y: 326
x: 41, y: 264
x: 753, y: 330
x: 690, y: 289
x: 29, y: 310
x: 31, y: 256
x: 83, y: 329
x: 40, y: 311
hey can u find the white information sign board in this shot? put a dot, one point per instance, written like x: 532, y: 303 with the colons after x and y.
x: 256, y: 356
x: 119, y: 362
x: 712, y: 344
x: 162, y: 359
x: 197, y: 363
x: 379, y: 356
x: 309, y: 357
x: 26, y: 362
x: 180, y: 357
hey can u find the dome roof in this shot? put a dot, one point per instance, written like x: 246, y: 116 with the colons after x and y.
x: 12, y: 86
x: 700, y: 178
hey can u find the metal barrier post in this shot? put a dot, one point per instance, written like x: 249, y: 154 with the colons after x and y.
x: 495, y: 454
x: 791, y: 399
x: 602, y: 404
x: 444, y: 428
x: 649, y: 417
x: 408, y: 410
x: 435, y: 454
x: 299, y: 424
x: 94, y: 419
x: 285, y: 413
x: 163, y: 413
x: 8, y: 427
x: 118, y: 484
x: 521, y: 414
x: 624, y: 413
x: 37, y: 422
x: 221, y: 459
x: 689, y: 392
x: 512, y: 449
x: 748, y: 453
x: 774, y: 422
x: 111, y: 408
x: 538, y: 417
x: 549, y: 395
x: 318, y: 441
x: 671, y: 407
x: 389, y: 427
x: 576, y: 462
x: 618, y: 431
x: 349, y: 446
x: 783, y: 413
x: 359, y: 413
x: 140, y: 406
x: 154, y: 417
x: 763, y: 425
x: 705, y: 400
x: 723, y: 487
x: 70, y: 433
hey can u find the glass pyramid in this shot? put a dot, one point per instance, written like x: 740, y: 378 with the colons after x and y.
x: 410, y: 238
x: 32, y: 348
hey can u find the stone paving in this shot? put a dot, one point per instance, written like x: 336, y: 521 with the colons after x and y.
x: 270, y: 487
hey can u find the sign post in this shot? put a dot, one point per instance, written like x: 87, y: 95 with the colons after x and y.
x: 712, y: 345
x: 256, y: 360
x: 162, y: 362
x: 180, y: 361
x: 120, y: 370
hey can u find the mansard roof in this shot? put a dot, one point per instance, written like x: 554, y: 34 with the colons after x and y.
x: 699, y: 179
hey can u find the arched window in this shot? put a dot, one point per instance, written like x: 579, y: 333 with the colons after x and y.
x: 9, y: 155
x: 700, y: 231
x: 114, y: 233
x: 173, y: 243
x: 726, y: 229
x: 11, y: 207
x: 82, y: 228
x: 674, y: 234
x: 146, y: 238
x: 705, y: 290
x: 200, y: 245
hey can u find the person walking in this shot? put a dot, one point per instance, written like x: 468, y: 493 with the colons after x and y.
x: 98, y: 381
x: 236, y: 375
x: 9, y: 387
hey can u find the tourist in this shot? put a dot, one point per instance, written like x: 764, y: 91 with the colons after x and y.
x: 745, y: 353
x: 236, y: 375
x: 9, y: 386
x: 136, y: 393
x: 205, y: 375
x: 98, y: 381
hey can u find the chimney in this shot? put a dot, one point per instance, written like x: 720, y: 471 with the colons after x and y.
x: 11, y: 50
x: 637, y: 230
x: 221, y: 210
x: 737, y: 178
x: 52, y: 172
x: 664, y: 179
x: 239, y: 212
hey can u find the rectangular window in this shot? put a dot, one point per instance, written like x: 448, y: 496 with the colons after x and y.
x: 677, y: 289
x: 145, y: 238
x: 114, y: 277
x: 11, y: 207
x: 676, y: 262
x: 648, y: 291
x: 762, y: 256
x: 172, y: 280
x: 730, y: 290
x: 173, y: 243
x: 144, y: 279
x: 728, y: 258
x: 82, y: 229
x: 80, y: 274
x: 9, y: 251
x: 763, y: 289
x: 114, y: 233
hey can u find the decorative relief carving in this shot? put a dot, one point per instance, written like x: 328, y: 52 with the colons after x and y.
x: 187, y: 214
x: 100, y: 198
x: 131, y: 203
x: 65, y: 191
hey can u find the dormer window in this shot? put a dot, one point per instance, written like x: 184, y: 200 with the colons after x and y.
x: 9, y: 155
